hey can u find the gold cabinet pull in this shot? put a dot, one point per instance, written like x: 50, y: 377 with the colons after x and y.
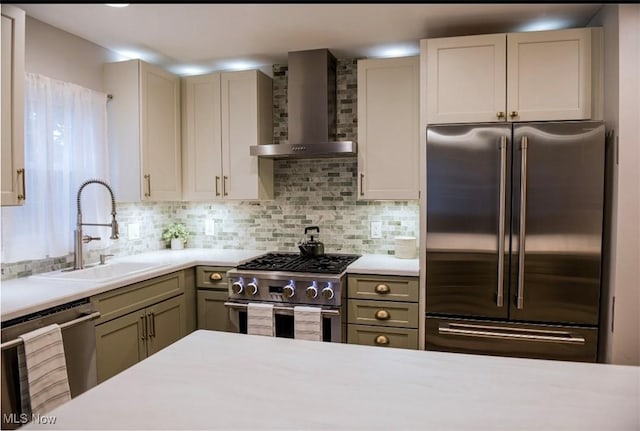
x: 217, y: 185
x: 382, y: 289
x: 381, y: 340
x: 361, y: 184
x: 513, y: 114
x: 147, y: 178
x: 382, y: 315
x: 224, y: 186
x: 215, y: 276
x: 23, y: 196
x: 144, y: 327
x: 500, y: 115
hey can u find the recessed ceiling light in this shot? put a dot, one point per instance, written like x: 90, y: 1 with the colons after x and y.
x: 117, y: 4
x: 396, y: 50
x: 239, y: 65
x: 545, y: 24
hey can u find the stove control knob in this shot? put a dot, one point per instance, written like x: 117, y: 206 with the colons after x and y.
x: 327, y: 292
x: 252, y: 288
x: 237, y: 287
x: 289, y: 290
x: 312, y: 291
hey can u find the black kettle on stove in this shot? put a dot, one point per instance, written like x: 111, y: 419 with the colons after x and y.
x: 311, y: 247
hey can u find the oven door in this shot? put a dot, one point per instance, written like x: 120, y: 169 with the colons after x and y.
x: 333, y: 328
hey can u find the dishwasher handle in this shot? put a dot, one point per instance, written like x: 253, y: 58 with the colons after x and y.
x: 73, y: 322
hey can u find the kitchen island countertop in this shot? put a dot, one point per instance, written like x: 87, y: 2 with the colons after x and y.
x: 218, y: 380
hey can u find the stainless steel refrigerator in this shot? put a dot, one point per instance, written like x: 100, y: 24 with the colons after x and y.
x: 514, y: 238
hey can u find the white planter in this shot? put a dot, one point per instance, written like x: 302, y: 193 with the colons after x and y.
x: 176, y: 244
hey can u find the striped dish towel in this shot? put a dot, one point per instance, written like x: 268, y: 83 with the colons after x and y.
x: 307, y: 323
x: 44, y: 383
x: 260, y: 319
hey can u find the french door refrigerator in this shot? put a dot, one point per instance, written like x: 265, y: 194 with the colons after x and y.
x: 514, y: 238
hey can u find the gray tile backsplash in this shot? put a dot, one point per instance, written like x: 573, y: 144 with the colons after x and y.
x: 318, y: 192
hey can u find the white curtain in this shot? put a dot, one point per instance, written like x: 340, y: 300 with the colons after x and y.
x: 65, y: 144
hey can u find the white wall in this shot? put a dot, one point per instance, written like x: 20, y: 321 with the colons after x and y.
x: 61, y: 55
x: 621, y: 325
x: 625, y: 348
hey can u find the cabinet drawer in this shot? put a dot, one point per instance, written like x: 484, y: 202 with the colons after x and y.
x: 391, y: 288
x: 403, y: 338
x: 126, y: 299
x: 386, y: 313
x: 212, y: 277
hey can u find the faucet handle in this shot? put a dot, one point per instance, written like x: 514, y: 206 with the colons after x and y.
x: 103, y: 258
x: 88, y: 238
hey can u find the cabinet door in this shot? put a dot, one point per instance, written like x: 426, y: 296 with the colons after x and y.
x: 12, y: 130
x: 202, y: 138
x: 466, y: 79
x: 549, y: 75
x: 212, y: 314
x: 388, y: 128
x: 160, y: 134
x: 122, y: 81
x: 167, y: 323
x: 246, y: 120
x: 120, y: 343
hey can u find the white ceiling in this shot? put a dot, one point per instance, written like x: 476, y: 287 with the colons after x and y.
x: 197, y: 38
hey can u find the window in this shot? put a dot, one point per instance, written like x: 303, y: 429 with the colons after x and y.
x: 65, y: 144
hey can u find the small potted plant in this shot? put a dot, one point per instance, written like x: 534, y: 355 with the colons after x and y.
x: 177, y: 233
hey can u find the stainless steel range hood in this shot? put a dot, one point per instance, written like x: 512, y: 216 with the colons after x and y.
x: 312, y: 110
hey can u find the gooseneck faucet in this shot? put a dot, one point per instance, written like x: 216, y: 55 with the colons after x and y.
x: 79, y: 238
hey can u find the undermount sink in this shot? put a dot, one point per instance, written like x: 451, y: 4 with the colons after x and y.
x: 99, y: 273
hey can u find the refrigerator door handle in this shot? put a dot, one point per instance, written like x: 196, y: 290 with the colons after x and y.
x: 509, y: 333
x: 523, y: 219
x: 501, y: 220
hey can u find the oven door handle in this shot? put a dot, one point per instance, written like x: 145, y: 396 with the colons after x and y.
x: 282, y: 309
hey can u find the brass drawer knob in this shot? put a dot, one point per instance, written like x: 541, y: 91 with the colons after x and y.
x: 382, y: 289
x: 513, y: 114
x: 215, y: 276
x: 382, y: 315
x: 382, y: 340
x: 500, y: 115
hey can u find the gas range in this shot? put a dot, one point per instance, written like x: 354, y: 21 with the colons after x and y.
x: 290, y: 278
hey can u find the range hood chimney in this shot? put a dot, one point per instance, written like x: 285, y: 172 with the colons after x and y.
x: 312, y: 110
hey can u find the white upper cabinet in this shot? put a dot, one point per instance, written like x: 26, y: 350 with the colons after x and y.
x: 549, y: 75
x: 533, y: 76
x: 201, y: 138
x: 388, y: 128
x: 466, y: 79
x: 12, y: 74
x: 144, y: 132
x: 223, y: 115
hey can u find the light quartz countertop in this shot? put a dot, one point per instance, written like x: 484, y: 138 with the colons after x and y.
x: 27, y: 295
x: 218, y: 380
x: 384, y: 264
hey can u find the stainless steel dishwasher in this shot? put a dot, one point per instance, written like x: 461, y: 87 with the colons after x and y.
x: 78, y: 337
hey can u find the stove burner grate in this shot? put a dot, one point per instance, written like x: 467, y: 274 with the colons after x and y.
x: 325, y: 264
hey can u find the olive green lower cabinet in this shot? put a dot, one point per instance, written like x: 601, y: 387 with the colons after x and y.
x: 383, y: 311
x: 212, y: 293
x: 137, y: 321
